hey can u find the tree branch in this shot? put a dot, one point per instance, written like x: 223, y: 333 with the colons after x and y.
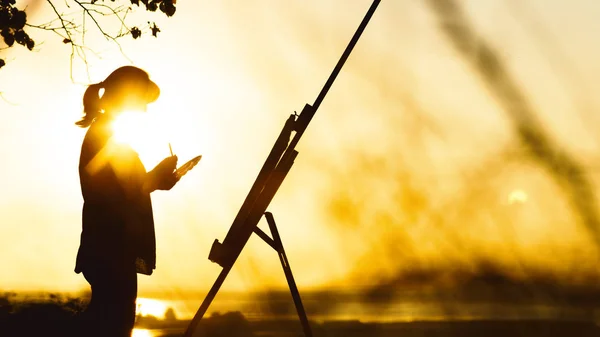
x: 70, y: 24
x: 69, y: 37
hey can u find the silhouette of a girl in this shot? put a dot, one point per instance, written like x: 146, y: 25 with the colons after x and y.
x: 117, y: 240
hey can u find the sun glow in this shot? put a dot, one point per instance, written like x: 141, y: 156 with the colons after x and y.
x: 126, y: 127
x: 147, y: 133
x: 517, y: 197
x: 150, y: 307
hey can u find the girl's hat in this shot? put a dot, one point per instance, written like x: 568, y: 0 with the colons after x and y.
x: 131, y: 78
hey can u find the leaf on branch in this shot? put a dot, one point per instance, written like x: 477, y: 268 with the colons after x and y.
x: 30, y: 44
x: 167, y: 7
x: 4, y: 18
x: 135, y: 2
x: 18, y: 19
x: 65, y: 41
x: 136, y: 32
x: 152, y: 6
x: 9, y: 39
x: 2, y: 63
x: 155, y: 30
x: 21, y: 37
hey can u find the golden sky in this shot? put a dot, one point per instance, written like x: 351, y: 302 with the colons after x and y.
x: 409, y: 163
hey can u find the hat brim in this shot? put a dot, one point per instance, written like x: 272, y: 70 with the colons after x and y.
x: 153, y: 92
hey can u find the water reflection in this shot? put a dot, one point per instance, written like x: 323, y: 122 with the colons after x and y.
x: 142, y: 333
x: 151, y: 307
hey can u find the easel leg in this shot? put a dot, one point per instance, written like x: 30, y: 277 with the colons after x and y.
x: 207, y: 301
x: 278, y: 245
x: 288, y: 275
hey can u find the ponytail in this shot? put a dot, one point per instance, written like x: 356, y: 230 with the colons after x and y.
x: 91, y: 105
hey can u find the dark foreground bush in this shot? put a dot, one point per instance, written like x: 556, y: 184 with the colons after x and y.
x: 59, y: 316
x: 52, y: 316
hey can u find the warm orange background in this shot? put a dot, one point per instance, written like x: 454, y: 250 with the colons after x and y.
x: 409, y: 161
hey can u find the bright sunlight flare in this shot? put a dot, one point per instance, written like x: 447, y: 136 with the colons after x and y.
x: 127, y: 127
x: 150, y: 307
x: 144, y: 132
x: 151, y: 133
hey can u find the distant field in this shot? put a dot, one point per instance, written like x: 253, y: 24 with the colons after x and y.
x: 55, y: 315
